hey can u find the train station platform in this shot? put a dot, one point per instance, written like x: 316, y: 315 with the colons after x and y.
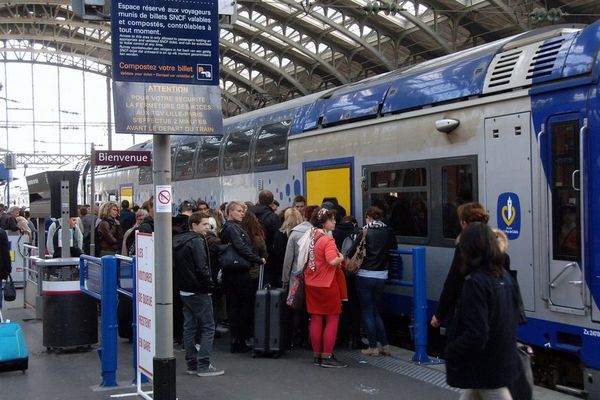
x: 76, y: 375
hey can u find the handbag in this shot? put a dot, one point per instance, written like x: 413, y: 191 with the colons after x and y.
x: 10, y: 293
x: 229, y: 258
x: 357, y: 259
x: 296, y: 298
x: 522, y: 387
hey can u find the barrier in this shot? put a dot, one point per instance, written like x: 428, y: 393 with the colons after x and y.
x: 419, y: 285
x: 98, y: 278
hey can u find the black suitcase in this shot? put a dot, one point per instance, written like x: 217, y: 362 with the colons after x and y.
x: 269, y: 321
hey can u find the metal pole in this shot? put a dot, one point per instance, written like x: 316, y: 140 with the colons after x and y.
x: 108, y: 113
x: 420, y: 300
x: 164, y: 360
x: 65, y: 223
x: 92, y: 200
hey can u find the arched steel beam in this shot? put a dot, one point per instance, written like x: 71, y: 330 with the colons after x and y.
x: 244, y: 81
x: 298, y: 47
x: 509, y: 13
x: 235, y: 100
x: 342, y: 29
x: 427, y: 29
x: 272, y: 67
x: 54, y: 53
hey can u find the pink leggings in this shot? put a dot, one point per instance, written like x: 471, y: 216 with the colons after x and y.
x: 323, y: 340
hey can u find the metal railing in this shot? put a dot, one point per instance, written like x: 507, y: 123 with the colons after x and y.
x: 419, y: 286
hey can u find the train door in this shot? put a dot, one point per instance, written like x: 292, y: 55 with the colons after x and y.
x: 508, y: 192
x: 330, y: 179
x: 126, y: 193
x: 565, y: 275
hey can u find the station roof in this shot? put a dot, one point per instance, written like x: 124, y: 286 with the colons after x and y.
x: 276, y: 50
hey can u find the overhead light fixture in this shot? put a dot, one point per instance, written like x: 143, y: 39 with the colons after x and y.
x: 446, y: 125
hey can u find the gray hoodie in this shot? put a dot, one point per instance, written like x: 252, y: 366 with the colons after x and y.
x: 291, y: 252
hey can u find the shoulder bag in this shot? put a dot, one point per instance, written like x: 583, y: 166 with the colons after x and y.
x: 357, y: 259
x: 10, y: 294
x: 230, y: 259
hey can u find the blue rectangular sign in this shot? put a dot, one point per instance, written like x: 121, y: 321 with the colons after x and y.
x: 167, y: 109
x: 166, y: 41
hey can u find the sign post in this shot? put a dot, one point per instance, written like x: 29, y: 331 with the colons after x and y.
x: 166, y: 77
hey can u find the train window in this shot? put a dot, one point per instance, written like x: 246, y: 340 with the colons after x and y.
x: 405, y: 200
x: 406, y: 211
x: 565, y: 197
x: 409, y: 177
x: 236, y: 154
x: 184, y: 162
x: 271, y: 145
x: 208, y: 158
x: 145, y: 175
x: 457, y: 188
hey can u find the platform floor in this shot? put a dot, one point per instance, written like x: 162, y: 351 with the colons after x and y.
x: 76, y: 375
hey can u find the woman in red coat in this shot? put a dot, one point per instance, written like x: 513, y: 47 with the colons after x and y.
x: 325, y: 288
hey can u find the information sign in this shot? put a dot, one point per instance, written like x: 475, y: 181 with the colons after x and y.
x: 146, y: 333
x: 167, y: 109
x: 167, y: 41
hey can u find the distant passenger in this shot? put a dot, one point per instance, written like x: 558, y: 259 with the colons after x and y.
x: 194, y: 280
x: 5, y: 262
x: 482, y: 356
x: 371, y: 277
x: 300, y: 203
x: 238, y: 284
x: 110, y: 235
x: 270, y: 223
x: 126, y: 216
x: 8, y: 221
x: 202, y: 206
x: 54, y: 242
x: 325, y: 288
x: 128, y: 247
x: 467, y: 214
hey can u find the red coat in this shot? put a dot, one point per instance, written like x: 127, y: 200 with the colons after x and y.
x: 325, y: 286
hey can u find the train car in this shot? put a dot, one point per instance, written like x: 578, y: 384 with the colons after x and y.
x: 511, y: 124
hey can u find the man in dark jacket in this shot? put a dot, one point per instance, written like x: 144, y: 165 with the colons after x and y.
x: 126, y: 216
x: 270, y: 223
x: 5, y: 264
x: 194, y: 280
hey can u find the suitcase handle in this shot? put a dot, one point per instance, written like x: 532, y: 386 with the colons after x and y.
x: 261, y: 278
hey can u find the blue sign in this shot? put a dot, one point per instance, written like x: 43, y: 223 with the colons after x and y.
x: 509, y: 214
x: 166, y: 41
x: 167, y: 109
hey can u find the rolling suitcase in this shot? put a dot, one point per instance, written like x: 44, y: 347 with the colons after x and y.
x: 269, y: 320
x: 13, y: 350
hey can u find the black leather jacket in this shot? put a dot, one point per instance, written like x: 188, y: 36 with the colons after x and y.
x: 380, y: 240
x: 234, y: 233
x: 191, y: 263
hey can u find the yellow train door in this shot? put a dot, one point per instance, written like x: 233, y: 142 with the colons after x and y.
x: 330, y: 179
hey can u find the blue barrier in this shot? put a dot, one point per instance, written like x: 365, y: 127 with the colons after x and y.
x: 419, y: 285
x: 100, y: 282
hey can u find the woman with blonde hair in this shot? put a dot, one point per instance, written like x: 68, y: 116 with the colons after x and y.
x: 237, y: 282
x: 291, y: 218
x: 109, y: 230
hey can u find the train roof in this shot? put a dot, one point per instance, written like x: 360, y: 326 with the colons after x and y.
x: 522, y: 61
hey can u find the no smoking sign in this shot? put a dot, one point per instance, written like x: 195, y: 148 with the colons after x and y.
x: 162, y: 198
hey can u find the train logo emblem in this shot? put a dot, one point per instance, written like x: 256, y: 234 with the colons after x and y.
x: 204, y: 72
x: 509, y: 215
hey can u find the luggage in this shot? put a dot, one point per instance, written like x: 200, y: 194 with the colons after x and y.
x: 13, y: 350
x: 269, y: 321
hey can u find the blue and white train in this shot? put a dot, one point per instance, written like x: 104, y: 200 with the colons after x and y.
x: 512, y: 124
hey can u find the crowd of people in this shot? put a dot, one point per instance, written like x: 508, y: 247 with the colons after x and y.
x: 480, y: 303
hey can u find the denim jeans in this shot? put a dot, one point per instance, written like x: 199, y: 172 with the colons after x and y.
x: 198, y: 318
x: 486, y: 394
x: 370, y: 292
